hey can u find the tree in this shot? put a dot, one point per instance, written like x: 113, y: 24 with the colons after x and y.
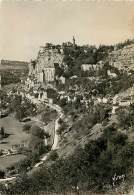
x: 36, y: 143
x: 27, y: 127
x: 2, y: 174
x: 20, y: 112
x: 37, y: 131
x: 15, y: 103
x: 126, y: 117
x: 2, y: 132
x: 53, y: 156
x: 22, y: 165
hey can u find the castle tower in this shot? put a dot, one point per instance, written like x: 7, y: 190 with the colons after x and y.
x: 0, y: 81
x: 74, y: 44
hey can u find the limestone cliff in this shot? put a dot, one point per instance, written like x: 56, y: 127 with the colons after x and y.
x: 47, y: 57
x: 44, y: 68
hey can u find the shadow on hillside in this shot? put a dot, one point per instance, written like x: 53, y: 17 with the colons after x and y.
x: 7, y: 135
x: 3, y: 142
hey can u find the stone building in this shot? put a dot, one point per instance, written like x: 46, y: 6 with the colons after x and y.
x: 92, y: 67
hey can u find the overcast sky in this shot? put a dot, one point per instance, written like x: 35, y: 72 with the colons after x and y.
x: 25, y: 25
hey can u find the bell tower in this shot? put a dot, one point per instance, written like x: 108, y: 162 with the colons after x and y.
x: 74, y: 44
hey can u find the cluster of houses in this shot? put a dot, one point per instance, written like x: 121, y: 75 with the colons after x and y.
x: 39, y: 93
x: 42, y: 75
x: 36, y: 94
x: 86, y: 98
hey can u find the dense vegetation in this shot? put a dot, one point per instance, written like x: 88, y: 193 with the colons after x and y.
x: 21, y: 108
x: 125, y: 43
x: 36, y: 147
x: 75, y: 56
x: 90, y: 168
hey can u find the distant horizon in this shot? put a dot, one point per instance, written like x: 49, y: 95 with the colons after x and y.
x: 27, y: 25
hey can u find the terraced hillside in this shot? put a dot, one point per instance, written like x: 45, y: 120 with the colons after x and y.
x: 123, y: 58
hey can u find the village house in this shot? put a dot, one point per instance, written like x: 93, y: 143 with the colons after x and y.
x: 50, y: 101
x: 62, y: 80
x: 122, y: 101
x: 114, y: 108
x: 115, y: 100
x: 74, y: 77
x: 111, y: 74
x: 125, y: 102
x: 92, y: 67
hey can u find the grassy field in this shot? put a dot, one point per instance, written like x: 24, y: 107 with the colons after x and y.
x: 9, y: 161
x: 14, y: 130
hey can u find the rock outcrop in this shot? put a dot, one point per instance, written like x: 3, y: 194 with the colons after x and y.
x: 44, y: 67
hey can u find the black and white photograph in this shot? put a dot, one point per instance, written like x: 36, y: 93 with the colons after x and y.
x: 66, y: 97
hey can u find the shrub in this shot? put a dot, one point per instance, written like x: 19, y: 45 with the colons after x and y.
x: 36, y: 143
x: 37, y: 131
x: 48, y: 116
x: 94, y: 165
x: 26, y: 127
x: 2, y: 174
x: 60, y: 121
x: 53, y: 155
x: 62, y: 127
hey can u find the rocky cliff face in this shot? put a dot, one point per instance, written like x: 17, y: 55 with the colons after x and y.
x: 123, y: 58
x: 44, y: 68
x: 47, y: 57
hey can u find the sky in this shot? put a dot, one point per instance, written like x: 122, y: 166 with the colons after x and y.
x: 27, y: 24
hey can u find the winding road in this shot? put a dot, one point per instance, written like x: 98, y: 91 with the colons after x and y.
x: 56, y: 136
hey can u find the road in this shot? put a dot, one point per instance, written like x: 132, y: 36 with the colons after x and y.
x: 56, y: 136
